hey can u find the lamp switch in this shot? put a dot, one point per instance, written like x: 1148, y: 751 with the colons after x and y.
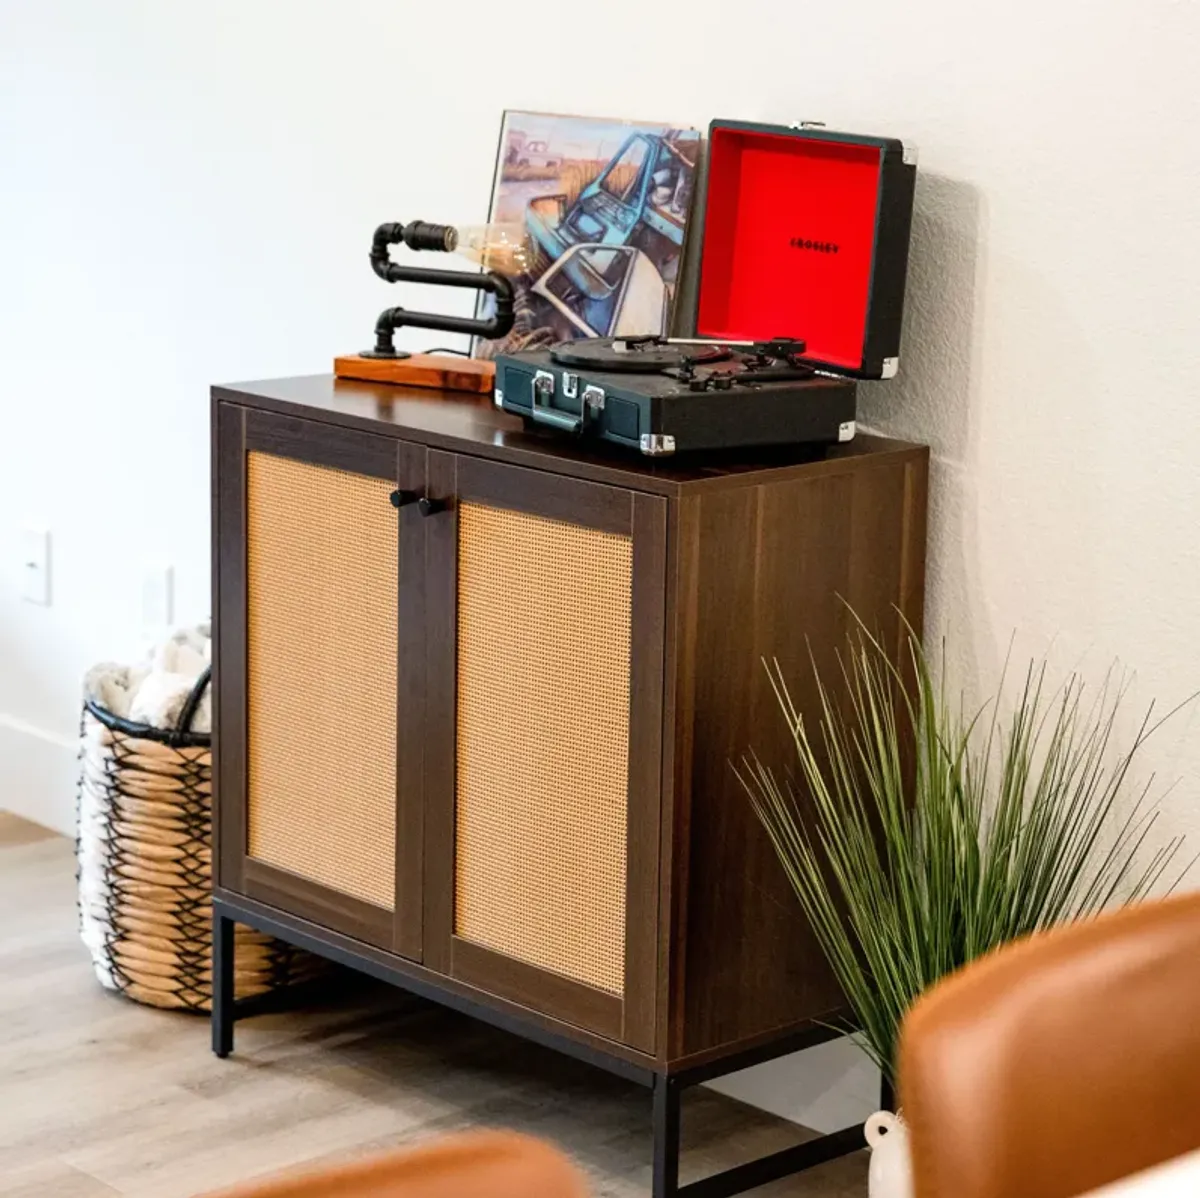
x: 35, y: 566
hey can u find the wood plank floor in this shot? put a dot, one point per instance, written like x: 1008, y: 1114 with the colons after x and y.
x: 101, y: 1096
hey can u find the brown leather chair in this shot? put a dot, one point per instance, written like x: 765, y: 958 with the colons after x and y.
x: 1061, y: 1063
x: 476, y: 1165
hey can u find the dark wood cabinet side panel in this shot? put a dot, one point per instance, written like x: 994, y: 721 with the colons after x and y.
x: 537, y: 989
x: 909, y: 616
x: 915, y: 535
x: 309, y: 441
x: 592, y: 505
x: 750, y: 961
x: 441, y: 680
x: 645, y: 770
x: 229, y: 643
x: 877, y: 551
x: 777, y: 567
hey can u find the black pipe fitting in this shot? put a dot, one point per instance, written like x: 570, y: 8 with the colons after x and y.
x: 422, y: 235
x: 417, y: 235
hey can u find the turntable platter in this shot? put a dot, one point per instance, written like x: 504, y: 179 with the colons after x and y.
x: 633, y: 355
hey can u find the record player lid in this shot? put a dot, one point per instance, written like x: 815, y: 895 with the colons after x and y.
x: 806, y: 235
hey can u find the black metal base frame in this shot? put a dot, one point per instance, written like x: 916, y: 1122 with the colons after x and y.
x: 667, y: 1088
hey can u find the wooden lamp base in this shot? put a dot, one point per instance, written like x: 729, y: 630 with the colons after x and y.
x: 442, y: 371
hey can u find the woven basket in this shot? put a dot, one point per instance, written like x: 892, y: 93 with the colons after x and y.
x: 144, y: 866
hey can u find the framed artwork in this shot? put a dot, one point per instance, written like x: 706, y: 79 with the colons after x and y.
x: 605, y: 204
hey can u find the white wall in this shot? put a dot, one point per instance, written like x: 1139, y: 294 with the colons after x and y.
x: 187, y: 193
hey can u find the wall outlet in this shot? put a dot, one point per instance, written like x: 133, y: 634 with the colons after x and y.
x: 35, y: 566
x: 158, y: 597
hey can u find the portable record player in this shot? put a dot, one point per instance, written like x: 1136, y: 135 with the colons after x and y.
x: 800, y: 291
x: 663, y: 396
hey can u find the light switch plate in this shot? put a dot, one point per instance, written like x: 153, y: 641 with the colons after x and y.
x: 158, y: 597
x: 35, y: 566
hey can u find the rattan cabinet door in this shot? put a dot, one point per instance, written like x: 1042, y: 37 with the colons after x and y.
x: 544, y: 760
x: 320, y: 667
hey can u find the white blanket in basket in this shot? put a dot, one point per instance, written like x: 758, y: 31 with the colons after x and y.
x: 154, y: 691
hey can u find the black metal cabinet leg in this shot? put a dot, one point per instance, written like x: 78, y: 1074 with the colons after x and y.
x: 666, y: 1137
x: 887, y: 1094
x: 222, y: 984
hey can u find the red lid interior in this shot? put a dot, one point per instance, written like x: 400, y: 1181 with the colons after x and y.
x: 789, y: 240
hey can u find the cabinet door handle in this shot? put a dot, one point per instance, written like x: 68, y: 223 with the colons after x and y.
x: 430, y: 507
x: 401, y: 497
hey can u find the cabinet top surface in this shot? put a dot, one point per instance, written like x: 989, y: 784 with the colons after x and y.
x: 465, y: 423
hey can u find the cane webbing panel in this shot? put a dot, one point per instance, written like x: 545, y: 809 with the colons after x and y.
x: 543, y: 742
x: 322, y: 580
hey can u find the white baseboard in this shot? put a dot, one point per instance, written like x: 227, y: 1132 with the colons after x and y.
x: 38, y: 773
x: 826, y: 1088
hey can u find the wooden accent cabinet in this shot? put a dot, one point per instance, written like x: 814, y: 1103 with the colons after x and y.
x: 479, y: 692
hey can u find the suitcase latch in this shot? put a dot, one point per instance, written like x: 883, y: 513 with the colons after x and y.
x: 543, y: 389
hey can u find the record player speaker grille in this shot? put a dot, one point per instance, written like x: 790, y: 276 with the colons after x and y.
x: 322, y: 607
x: 543, y: 742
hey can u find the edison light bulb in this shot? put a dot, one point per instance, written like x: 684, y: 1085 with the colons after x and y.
x: 503, y: 246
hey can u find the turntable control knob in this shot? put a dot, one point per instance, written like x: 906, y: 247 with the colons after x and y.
x: 723, y: 382
x: 697, y: 385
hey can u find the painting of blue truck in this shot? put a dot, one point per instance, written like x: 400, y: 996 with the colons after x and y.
x: 605, y: 206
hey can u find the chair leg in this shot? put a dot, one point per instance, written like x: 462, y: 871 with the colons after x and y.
x: 666, y: 1137
x: 222, y: 984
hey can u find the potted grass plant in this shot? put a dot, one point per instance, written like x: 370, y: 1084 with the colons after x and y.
x: 918, y: 837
